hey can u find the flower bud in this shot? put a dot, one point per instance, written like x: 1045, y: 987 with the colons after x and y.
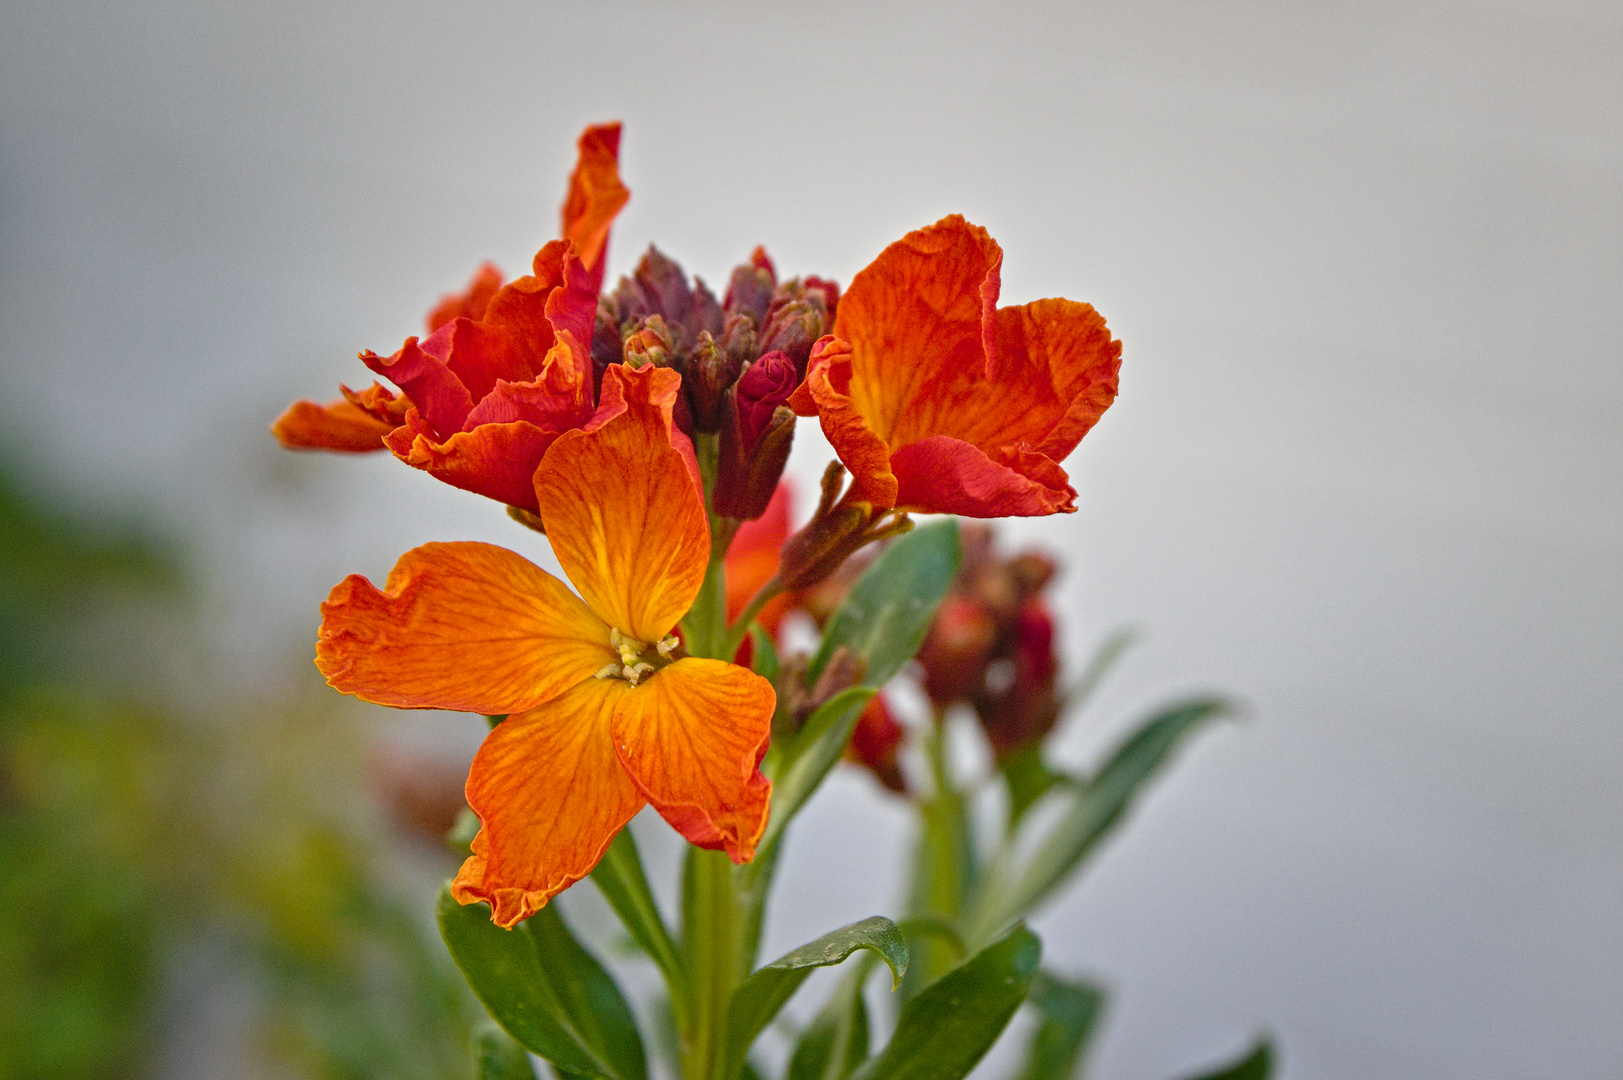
x: 793, y: 329
x: 757, y: 427
x: 649, y: 344
x: 874, y: 742
x: 957, y: 650
x: 710, y: 375
x: 749, y: 291
x: 1023, y: 711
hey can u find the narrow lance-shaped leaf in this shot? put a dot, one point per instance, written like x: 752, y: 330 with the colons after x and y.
x: 1067, y: 1012
x: 620, y: 877
x: 1011, y: 887
x: 887, y: 612
x: 836, y: 1041
x: 758, y: 999
x: 588, y: 995
x: 1256, y: 1064
x: 949, y: 1026
x: 521, y: 990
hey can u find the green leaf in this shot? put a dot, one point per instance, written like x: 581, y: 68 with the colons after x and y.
x: 809, y: 759
x: 949, y: 1026
x: 1069, y: 1012
x: 1011, y: 886
x: 758, y: 999
x: 620, y: 877
x: 1029, y: 779
x: 498, y: 1057
x: 1257, y: 1064
x: 886, y: 614
x: 544, y: 989
x: 835, y: 1043
x: 588, y: 995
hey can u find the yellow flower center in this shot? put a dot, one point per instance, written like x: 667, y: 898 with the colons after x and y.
x: 634, y: 664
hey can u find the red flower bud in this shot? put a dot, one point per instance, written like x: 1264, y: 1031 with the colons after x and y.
x: 874, y: 743
x: 957, y: 650
x: 757, y: 427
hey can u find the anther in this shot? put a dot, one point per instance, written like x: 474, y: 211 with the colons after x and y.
x: 608, y: 671
x: 668, y: 646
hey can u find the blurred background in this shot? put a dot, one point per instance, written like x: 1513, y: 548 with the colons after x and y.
x: 1365, y: 474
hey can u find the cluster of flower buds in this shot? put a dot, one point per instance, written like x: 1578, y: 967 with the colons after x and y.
x: 740, y: 358
x: 992, y: 644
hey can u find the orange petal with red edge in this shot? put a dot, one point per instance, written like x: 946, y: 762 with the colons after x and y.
x: 595, y: 197
x: 827, y: 392
x: 494, y: 460
x: 550, y: 793
x: 462, y: 626
x: 692, y: 737
x: 623, y: 506
x: 949, y: 476
x: 338, y: 425
x: 914, y: 321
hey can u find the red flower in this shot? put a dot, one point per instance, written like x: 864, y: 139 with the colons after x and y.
x: 939, y: 401
x: 504, y: 370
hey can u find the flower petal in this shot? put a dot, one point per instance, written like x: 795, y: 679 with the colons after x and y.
x: 550, y: 794
x: 495, y: 460
x: 752, y: 559
x: 338, y: 425
x: 595, y: 198
x: 1062, y: 347
x: 941, y: 475
x: 692, y: 738
x: 827, y: 392
x: 463, y: 626
x: 914, y: 319
x: 623, y: 506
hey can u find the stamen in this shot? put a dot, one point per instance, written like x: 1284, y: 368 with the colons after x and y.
x: 634, y: 673
x: 668, y: 646
x: 608, y: 671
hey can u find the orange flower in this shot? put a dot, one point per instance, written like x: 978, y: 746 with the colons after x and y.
x: 604, y: 712
x: 753, y: 559
x: 505, y: 368
x: 939, y: 401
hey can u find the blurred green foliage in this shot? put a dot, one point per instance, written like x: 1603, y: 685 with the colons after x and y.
x: 131, y: 837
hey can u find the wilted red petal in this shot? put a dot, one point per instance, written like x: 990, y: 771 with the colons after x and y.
x: 464, y: 626
x: 496, y: 460
x: 692, y: 737
x: 338, y: 425
x: 595, y: 197
x: 550, y: 794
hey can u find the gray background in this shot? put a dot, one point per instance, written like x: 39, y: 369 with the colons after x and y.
x: 1366, y: 471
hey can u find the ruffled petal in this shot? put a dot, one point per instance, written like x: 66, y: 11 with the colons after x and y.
x: 419, y: 369
x: 550, y: 794
x: 463, y: 626
x: 595, y: 197
x: 828, y: 387
x: 692, y: 737
x: 1063, y: 347
x: 495, y: 460
x: 914, y: 319
x: 623, y: 506
x: 338, y: 425
x: 940, y: 475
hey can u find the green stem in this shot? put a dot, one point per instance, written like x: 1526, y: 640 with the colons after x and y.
x: 714, y: 926
x: 741, y: 625
x: 943, y: 868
